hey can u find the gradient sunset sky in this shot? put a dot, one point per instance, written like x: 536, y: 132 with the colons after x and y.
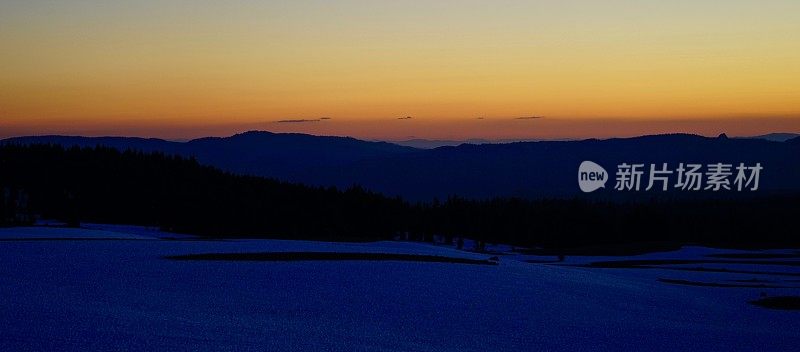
x: 459, y: 69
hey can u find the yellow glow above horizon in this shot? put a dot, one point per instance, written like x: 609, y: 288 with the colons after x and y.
x: 171, y: 64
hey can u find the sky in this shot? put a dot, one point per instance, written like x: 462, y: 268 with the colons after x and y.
x: 459, y: 69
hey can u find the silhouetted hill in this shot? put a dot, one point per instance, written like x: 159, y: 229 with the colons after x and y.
x: 524, y: 169
x: 436, y: 143
x: 286, y: 155
x: 280, y: 155
x: 536, y: 169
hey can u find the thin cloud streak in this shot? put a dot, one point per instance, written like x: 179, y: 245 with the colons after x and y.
x: 304, y: 120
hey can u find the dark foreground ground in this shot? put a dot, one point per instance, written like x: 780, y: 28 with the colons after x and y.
x: 127, y: 289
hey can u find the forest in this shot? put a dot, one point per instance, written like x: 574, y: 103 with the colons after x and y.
x: 104, y: 185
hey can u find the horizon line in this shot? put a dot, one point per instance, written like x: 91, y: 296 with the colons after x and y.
x: 406, y: 139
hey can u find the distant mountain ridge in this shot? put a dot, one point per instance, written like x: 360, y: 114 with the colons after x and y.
x: 261, y: 153
x: 436, y: 143
x: 521, y: 169
x: 776, y: 137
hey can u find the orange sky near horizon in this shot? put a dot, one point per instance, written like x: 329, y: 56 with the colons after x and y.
x: 183, y: 69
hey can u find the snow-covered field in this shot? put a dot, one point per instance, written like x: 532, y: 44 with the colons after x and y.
x: 110, y: 288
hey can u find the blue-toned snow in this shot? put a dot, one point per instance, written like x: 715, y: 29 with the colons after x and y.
x: 110, y: 289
